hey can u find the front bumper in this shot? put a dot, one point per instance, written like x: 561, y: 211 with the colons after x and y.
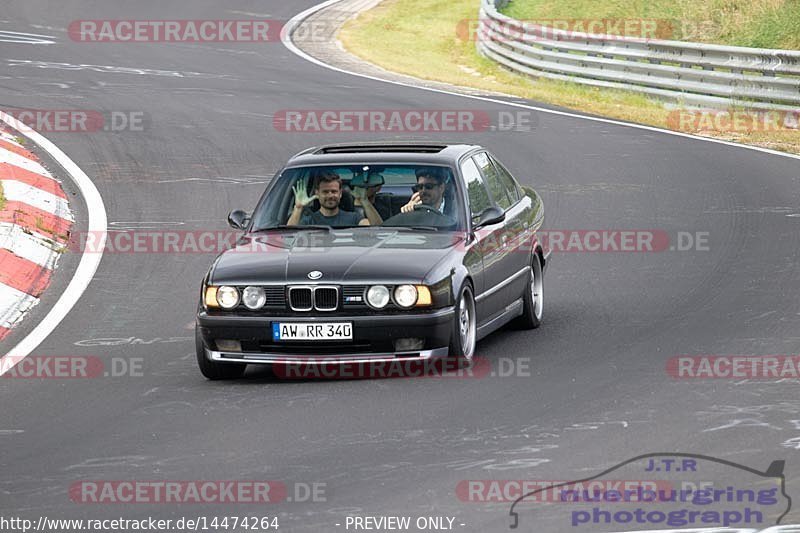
x: 373, y: 338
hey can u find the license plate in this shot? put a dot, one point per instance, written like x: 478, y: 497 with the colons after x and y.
x: 317, y: 331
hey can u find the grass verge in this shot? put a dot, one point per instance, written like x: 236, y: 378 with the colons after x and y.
x: 419, y: 38
x: 754, y: 23
x: 2, y: 198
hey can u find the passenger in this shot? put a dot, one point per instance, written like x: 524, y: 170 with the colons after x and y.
x: 372, y: 185
x: 328, y: 190
x: 429, y: 191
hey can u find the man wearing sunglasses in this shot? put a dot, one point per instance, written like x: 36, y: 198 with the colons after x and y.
x: 429, y: 191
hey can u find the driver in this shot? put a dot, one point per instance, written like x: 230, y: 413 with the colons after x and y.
x: 429, y: 191
x: 328, y: 190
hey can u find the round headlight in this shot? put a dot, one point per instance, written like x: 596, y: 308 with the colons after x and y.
x: 378, y: 296
x: 254, y: 297
x: 405, y: 295
x: 228, y: 297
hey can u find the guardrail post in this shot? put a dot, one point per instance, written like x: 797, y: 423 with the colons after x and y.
x: 698, y: 74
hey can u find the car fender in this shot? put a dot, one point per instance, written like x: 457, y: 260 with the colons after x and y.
x: 536, y: 221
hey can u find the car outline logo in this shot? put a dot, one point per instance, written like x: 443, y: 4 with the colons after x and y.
x: 314, y: 274
x: 775, y: 470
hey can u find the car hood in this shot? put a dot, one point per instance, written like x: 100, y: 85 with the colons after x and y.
x: 360, y: 255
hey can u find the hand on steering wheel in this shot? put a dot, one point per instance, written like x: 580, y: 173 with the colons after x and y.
x: 412, y: 203
x: 429, y: 209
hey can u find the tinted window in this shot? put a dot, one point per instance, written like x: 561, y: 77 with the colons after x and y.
x: 476, y: 189
x: 508, y: 181
x: 496, y: 186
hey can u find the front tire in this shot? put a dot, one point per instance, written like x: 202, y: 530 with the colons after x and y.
x: 211, y: 369
x: 533, y: 297
x: 464, y: 334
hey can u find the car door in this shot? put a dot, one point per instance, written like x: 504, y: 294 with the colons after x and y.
x: 518, y: 235
x: 508, y: 271
x: 478, y: 199
x: 489, y: 301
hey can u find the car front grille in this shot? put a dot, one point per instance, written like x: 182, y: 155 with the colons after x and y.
x: 326, y: 298
x: 276, y: 296
x: 300, y: 298
x: 306, y: 298
x: 309, y: 350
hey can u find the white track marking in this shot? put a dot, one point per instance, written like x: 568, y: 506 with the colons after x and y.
x: 24, y: 38
x: 89, y: 261
x: 114, y: 69
x: 290, y: 26
x: 16, y: 191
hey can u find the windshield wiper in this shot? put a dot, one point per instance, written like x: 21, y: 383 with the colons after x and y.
x: 297, y: 228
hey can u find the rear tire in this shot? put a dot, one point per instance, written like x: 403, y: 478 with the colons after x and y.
x: 533, y: 297
x: 464, y: 334
x: 211, y: 369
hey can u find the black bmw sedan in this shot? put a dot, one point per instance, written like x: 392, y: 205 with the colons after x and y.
x: 371, y: 253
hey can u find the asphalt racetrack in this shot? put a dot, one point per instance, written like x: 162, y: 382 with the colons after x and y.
x: 588, y: 390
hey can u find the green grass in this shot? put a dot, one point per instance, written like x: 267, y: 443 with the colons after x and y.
x: 2, y: 198
x: 420, y: 38
x: 48, y: 230
x: 755, y: 23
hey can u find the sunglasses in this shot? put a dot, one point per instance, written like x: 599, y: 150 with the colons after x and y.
x: 426, y: 186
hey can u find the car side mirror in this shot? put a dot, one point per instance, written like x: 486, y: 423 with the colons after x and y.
x: 238, y: 219
x: 487, y: 217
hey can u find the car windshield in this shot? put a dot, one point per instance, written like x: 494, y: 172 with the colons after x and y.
x: 417, y: 197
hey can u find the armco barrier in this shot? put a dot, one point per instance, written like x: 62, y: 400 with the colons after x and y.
x: 695, y: 74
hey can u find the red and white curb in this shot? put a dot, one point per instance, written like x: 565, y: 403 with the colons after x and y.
x: 97, y: 224
x: 34, y: 228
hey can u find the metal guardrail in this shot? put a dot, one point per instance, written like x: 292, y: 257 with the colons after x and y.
x: 695, y: 74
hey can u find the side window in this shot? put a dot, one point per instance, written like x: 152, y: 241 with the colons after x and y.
x: 476, y: 189
x: 508, y: 180
x: 490, y: 174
